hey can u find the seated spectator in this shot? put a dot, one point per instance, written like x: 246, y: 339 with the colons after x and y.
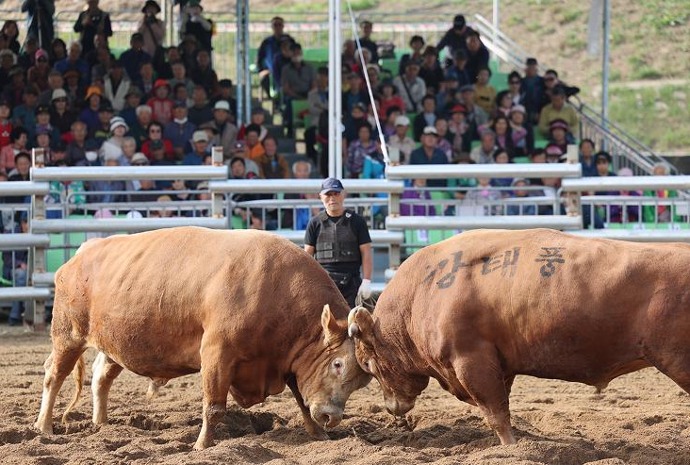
x: 281, y: 59
x: 389, y: 98
x: 660, y: 213
x: 135, y: 56
x: 258, y: 117
x: 318, y: 103
x: 517, y: 96
x: 400, y: 140
x: 587, y: 148
x: 107, y: 191
x: 61, y: 116
x: 500, y: 157
x: 521, y: 209
x: 354, y: 95
x: 201, y: 110
x: 200, y: 143
x: 503, y: 135
x: 358, y: 150
x: 366, y: 28
x: 139, y: 130
x: 55, y: 81
x: 118, y: 129
x: 179, y: 131
x: 477, y: 54
x: 417, y: 192
x: 558, y: 109
x: 76, y: 92
x: 195, y: 24
x: 537, y: 156
x: 457, y: 127
x: 116, y: 86
x: 485, y: 196
x: 411, y: 87
x: 503, y: 104
x: 248, y: 217
x: 179, y: 76
x: 475, y: 116
x: 272, y: 164
x: 43, y: 123
x: 533, y: 90
x: 416, y: 45
x: 456, y: 75
x: 204, y: 74
x: 520, y: 132
x: 5, y: 122
x: 625, y: 213
x: 358, y: 118
x: 10, y: 30
x: 388, y: 124
x: 227, y: 92
x: 558, y: 130
x: 428, y: 154
x: 444, y: 138
x: 89, y: 115
x: 253, y: 149
x: 25, y: 114
x: 484, y: 151
x: 554, y: 154
x: 15, y: 89
x: 374, y: 75
x: 348, y: 58
x: 155, y: 132
x: 129, y: 148
x: 37, y: 75
x: 296, y: 81
x: 374, y: 167
x: 57, y: 51
x: 427, y: 117
x: 19, y: 141
x: 147, y: 80
x: 74, y: 62
x: 226, y: 130
x: 132, y: 101
x: 161, y: 103
x: 43, y: 141
x: 430, y: 71
x: 298, y: 218
x: 105, y: 114
x: 100, y: 61
x: 76, y: 148
x: 485, y: 93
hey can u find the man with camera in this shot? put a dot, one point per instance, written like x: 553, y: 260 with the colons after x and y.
x: 90, y: 22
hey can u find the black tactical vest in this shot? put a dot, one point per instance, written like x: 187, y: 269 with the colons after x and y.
x: 337, y: 242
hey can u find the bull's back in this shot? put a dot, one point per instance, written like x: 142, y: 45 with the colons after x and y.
x: 550, y: 301
x: 155, y: 295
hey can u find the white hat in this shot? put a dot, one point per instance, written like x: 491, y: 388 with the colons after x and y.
x: 116, y: 122
x: 110, y: 151
x: 139, y: 158
x: 402, y: 120
x: 200, y: 136
x: 58, y: 93
x: 222, y: 105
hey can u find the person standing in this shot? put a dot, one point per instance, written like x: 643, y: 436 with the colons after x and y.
x: 92, y: 21
x: 339, y: 240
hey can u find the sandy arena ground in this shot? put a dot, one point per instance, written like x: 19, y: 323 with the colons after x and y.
x: 642, y: 418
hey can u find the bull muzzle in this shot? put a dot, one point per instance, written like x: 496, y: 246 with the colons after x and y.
x: 328, y: 416
x: 398, y: 407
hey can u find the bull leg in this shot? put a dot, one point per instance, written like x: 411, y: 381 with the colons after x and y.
x: 482, y: 378
x: 57, y: 366
x: 314, y: 430
x: 154, y: 387
x: 105, y: 370
x: 216, y: 379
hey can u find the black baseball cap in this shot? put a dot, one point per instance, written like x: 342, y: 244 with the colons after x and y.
x: 331, y: 185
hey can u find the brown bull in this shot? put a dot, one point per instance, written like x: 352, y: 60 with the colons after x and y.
x: 242, y: 307
x: 480, y: 308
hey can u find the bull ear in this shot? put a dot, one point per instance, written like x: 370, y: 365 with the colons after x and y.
x: 360, y: 323
x: 331, y: 330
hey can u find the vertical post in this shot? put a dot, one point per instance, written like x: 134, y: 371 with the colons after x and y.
x: 37, y: 262
x: 393, y: 249
x: 217, y: 198
x: 573, y: 205
x: 605, y: 66
x: 242, y: 87
x: 496, y: 23
x: 335, y: 141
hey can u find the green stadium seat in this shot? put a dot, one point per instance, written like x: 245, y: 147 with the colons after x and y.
x: 300, y: 112
x: 521, y: 160
x: 315, y: 54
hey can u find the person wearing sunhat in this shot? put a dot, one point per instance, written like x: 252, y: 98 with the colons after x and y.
x: 338, y: 238
x: 151, y: 27
x: 429, y: 154
x: 194, y: 23
x: 558, y: 130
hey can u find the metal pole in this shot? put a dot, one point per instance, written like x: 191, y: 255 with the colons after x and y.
x: 247, y: 76
x: 605, y: 65
x: 495, y: 24
x: 241, y: 54
x: 337, y: 91
x: 332, y: 121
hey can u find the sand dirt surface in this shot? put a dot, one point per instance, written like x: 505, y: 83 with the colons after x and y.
x: 642, y: 418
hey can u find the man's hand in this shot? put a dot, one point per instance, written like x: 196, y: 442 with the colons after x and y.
x: 364, y: 289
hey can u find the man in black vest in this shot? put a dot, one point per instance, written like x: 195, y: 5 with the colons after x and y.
x: 339, y: 240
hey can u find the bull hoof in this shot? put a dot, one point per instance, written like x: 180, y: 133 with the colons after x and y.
x: 201, y: 444
x: 45, y: 429
x: 318, y: 434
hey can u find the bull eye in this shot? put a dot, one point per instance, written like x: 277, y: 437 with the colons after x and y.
x: 337, y: 364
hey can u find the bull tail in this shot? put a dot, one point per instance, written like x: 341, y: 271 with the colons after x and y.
x: 78, y: 376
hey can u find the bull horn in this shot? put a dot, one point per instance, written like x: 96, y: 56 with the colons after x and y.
x: 352, y: 327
